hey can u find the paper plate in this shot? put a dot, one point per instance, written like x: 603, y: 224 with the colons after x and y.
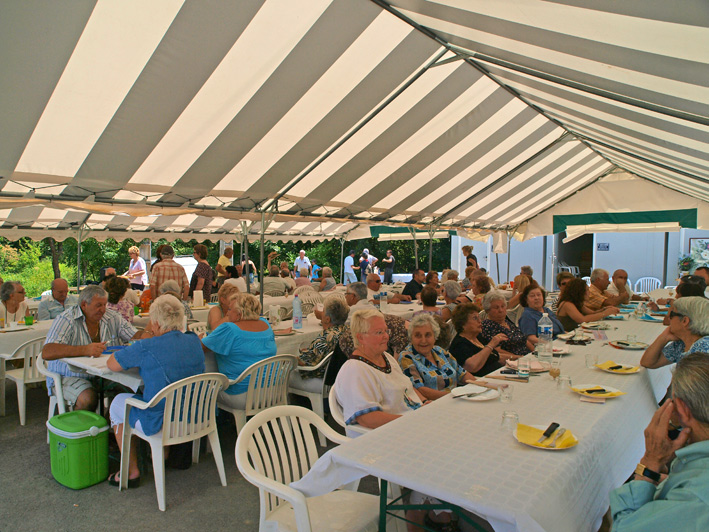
x: 579, y: 389
x: 542, y: 428
x: 617, y: 372
x: 485, y: 396
x: 543, y: 366
x: 622, y: 344
x: 283, y: 332
x: 16, y: 329
x: 570, y: 335
x: 199, y: 308
x: 595, y: 326
x: 561, y: 351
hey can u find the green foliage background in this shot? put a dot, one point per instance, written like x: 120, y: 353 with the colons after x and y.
x: 31, y: 262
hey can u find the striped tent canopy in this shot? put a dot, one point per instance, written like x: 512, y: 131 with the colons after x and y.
x: 192, y: 116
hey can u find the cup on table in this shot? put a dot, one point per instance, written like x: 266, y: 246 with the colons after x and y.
x: 631, y: 338
x: 506, y: 391
x: 12, y: 324
x: 523, y: 367
x: 578, y: 333
x: 591, y: 360
x: 29, y: 320
x: 509, y: 421
x: 563, y: 383
x: 555, y: 369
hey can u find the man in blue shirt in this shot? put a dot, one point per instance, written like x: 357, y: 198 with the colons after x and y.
x: 57, y: 302
x: 678, y: 500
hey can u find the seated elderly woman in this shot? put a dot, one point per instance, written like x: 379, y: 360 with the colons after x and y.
x: 429, y: 296
x: 432, y: 279
x: 239, y: 342
x: 116, y: 288
x: 171, y: 287
x: 169, y: 356
x: 497, y: 322
x: 532, y: 299
x: 687, y: 333
x: 13, y: 307
x: 371, y: 387
x: 334, y: 316
x: 303, y: 280
x: 572, y: 309
x: 327, y: 283
x: 451, y: 292
x: 433, y: 370
x: 481, y: 286
x: 219, y: 314
x: 470, y: 353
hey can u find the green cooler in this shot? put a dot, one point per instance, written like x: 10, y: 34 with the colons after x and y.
x: 78, y: 448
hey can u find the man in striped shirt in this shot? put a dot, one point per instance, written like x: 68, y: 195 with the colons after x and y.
x: 84, y: 330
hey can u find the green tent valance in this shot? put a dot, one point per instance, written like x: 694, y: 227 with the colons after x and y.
x: 684, y: 217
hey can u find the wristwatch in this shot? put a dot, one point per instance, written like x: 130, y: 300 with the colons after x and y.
x: 643, y: 470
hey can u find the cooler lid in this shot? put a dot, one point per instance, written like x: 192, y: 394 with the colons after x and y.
x: 77, y: 421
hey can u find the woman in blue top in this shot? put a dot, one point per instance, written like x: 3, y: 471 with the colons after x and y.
x: 688, y: 333
x: 532, y: 299
x: 164, y: 356
x: 244, y: 340
x: 432, y: 370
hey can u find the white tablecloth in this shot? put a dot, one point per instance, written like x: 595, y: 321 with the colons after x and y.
x: 9, y: 341
x: 453, y: 449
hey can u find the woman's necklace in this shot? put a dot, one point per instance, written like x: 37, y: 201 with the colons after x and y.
x: 385, y: 369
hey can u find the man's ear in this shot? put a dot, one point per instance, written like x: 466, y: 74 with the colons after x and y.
x: 683, y: 412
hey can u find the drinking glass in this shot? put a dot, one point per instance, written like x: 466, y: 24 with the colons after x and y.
x: 591, y: 360
x: 578, y: 334
x: 555, y: 369
x: 563, y: 383
x: 29, y: 320
x: 631, y: 339
x: 523, y: 367
x: 509, y: 421
x: 506, y: 392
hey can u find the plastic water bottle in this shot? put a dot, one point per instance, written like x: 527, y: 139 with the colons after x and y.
x: 297, y: 313
x: 545, y: 332
x: 383, y: 301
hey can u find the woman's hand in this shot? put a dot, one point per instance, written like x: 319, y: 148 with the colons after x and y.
x: 610, y: 311
x: 667, y: 336
x: 659, y: 448
x: 497, y: 340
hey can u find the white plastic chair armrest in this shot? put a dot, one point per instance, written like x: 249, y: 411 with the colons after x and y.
x: 319, y: 365
x: 132, y: 401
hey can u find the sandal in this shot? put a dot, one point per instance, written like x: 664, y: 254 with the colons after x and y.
x: 114, y: 480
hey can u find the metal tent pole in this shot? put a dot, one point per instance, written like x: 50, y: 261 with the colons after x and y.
x: 416, y: 251
x: 245, y: 247
x: 430, y: 248
x: 342, y: 258
x: 78, y: 258
x: 509, y: 254
x: 263, y: 229
x: 664, y: 263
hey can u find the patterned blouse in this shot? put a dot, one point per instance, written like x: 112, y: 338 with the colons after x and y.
x: 443, y: 374
x: 516, y: 343
x: 124, y: 308
x: 398, y: 336
x: 320, y: 347
x: 202, y: 271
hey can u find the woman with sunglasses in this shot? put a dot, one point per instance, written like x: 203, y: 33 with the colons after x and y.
x: 687, y: 333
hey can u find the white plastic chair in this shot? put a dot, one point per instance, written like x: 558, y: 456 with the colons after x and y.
x: 56, y: 400
x: 214, y: 298
x: 268, y: 387
x: 587, y: 279
x: 514, y: 314
x: 190, y: 413
x: 276, y: 448
x: 275, y: 293
x: 338, y: 416
x: 24, y: 376
x: 646, y: 284
x: 199, y: 328
x: 315, y: 390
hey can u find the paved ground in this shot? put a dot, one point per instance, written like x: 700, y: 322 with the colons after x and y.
x: 30, y: 498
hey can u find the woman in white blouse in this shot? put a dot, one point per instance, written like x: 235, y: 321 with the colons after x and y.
x: 14, y: 307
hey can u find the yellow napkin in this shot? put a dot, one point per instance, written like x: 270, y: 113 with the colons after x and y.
x: 583, y: 391
x: 609, y: 364
x: 530, y: 436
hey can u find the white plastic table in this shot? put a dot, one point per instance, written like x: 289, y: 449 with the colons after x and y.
x: 454, y: 450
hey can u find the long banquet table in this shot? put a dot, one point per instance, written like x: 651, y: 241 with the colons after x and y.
x: 453, y: 449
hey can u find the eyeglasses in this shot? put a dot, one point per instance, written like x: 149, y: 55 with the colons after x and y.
x: 378, y: 281
x: 674, y: 314
x: 386, y: 332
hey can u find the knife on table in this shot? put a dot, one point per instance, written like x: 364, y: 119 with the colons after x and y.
x: 550, y: 430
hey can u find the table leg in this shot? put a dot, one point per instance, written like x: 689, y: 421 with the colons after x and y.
x: 383, y: 489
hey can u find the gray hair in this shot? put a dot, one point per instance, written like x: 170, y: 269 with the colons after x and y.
x: 90, y: 292
x: 359, y: 324
x: 490, y: 297
x: 451, y: 275
x: 598, y: 272
x: 57, y: 279
x: 696, y: 308
x: 327, y: 271
x: 7, y: 289
x: 422, y: 320
x: 526, y: 270
x: 170, y: 287
x: 304, y: 272
x: 359, y: 289
x: 336, y: 309
x: 274, y: 271
x: 168, y: 313
x: 452, y: 289
x: 690, y: 383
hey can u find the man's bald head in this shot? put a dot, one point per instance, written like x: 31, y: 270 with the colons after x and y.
x: 373, y: 281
